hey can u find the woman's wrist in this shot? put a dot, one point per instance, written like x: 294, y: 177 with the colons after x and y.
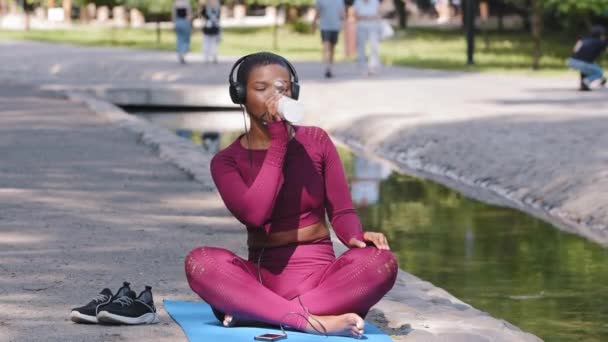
x: 278, y: 144
x: 278, y: 132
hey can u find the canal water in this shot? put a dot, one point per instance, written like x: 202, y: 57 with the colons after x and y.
x: 502, y: 261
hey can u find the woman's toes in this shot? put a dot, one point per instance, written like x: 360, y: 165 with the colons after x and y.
x: 360, y: 323
x: 358, y: 327
x: 356, y: 333
x: 228, y: 320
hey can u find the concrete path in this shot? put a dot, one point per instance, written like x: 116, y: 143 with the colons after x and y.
x: 83, y: 205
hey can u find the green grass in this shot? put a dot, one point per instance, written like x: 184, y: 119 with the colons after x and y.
x: 495, y: 51
x: 424, y: 48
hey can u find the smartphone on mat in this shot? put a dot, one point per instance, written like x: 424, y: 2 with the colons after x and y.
x: 270, y: 337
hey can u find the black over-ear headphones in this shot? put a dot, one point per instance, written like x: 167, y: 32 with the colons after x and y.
x: 238, y: 91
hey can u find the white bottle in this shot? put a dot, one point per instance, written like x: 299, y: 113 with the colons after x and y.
x: 290, y: 109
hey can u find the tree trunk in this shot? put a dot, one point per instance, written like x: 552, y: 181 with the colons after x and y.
x: 470, y: 12
x: 526, y: 16
x: 537, y: 29
x: 67, y: 10
x: 588, y: 21
x: 292, y: 14
x: 27, y: 20
x: 275, y: 31
x: 3, y: 6
x: 158, y: 32
x: 501, y: 15
x: 400, y: 7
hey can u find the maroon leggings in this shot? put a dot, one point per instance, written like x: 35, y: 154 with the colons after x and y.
x: 295, y: 278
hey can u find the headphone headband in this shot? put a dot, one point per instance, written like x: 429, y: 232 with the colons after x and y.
x: 234, y: 66
x: 237, y: 90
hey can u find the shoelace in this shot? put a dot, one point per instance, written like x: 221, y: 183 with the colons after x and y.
x: 124, y: 301
x: 100, y: 298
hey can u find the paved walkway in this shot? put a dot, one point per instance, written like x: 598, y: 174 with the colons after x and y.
x: 83, y: 205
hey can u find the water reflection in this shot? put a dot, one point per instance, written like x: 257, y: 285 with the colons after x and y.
x: 365, y: 183
x: 209, y: 141
x: 502, y: 261
x: 210, y: 130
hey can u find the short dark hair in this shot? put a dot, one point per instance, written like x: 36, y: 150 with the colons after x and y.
x: 597, y: 31
x: 255, y: 60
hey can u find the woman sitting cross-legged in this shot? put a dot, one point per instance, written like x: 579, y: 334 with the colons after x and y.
x: 280, y: 179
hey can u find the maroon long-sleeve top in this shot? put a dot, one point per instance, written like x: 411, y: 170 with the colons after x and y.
x: 290, y: 185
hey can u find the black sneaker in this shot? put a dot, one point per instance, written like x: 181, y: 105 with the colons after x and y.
x: 130, y: 310
x: 88, y: 313
x: 328, y: 74
x: 583, y: 84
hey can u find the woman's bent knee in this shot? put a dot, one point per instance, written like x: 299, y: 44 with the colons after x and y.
x: 382, y: 260
x: 203, y: 258
x: 388, y: 265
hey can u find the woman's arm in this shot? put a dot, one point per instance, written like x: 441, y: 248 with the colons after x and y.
x: 338, y: 202
x: 577, y: 46
x: 253, y: 205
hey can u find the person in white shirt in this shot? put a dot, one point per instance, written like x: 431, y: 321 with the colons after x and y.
x: 369, y: 27
x: 211, y: 30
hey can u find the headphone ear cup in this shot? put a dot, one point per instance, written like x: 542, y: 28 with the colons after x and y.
x: 237, y: 93
x: 233, y: 95
x: 295, y: 90
x: 240, y: 90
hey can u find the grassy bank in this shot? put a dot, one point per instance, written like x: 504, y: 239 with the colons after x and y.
x: 425, y: 48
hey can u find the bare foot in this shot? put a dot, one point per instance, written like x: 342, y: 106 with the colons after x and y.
x: 349, y: 324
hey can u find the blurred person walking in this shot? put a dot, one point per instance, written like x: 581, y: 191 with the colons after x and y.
x: 181, y: 15
x: 330, y: 15
x: 585, y: 53
x: 211, y: 12
x: 369, y: 28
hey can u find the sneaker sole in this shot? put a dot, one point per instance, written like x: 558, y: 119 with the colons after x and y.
x: 107, y: 317
x: 78, y: 317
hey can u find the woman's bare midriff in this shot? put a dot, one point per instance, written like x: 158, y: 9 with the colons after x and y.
x: 259, y: 239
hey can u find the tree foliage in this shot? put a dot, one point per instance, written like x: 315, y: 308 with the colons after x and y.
x: 282, y: 2
x: 164, y: 6
x: 147, y: 6
x: 579, y: 7
x: 572, y: 9
x: 568, y: 14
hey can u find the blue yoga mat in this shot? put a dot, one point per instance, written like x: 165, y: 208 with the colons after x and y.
x: 199, y: 325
